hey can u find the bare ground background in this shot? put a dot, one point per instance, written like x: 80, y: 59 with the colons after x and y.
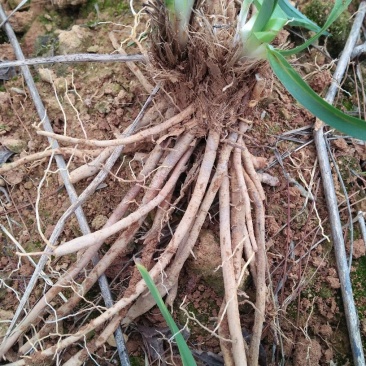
x: 307, y: 327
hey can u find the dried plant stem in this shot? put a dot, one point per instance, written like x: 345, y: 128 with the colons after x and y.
x: 172, y: 247
x: 81, y: 154
x: 91, y: 168
x: 231, y: 296
x: 120, y: 245
x: 185, y: 250
x: 151, y: 239
x: 137, y: 137
x: 179, y: 235
x: 249, y: 168
x: 260, y: 303
x: 78, y: 57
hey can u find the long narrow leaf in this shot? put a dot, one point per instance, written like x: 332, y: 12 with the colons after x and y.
x: 302, y: 92
x: 299, y: 19
x: 339, y: 7
x: 184, y: 351
x: 264, y: 15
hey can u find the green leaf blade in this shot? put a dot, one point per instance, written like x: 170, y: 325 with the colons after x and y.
x: 299, y: 19
x: 264, y: 15
x: 184, y: 351
x: 339, y: 7
x: 302, y: 92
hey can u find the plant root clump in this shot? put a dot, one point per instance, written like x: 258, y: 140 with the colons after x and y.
x: 207, y: 75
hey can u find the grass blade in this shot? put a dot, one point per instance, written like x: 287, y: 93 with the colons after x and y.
x: 302, y: 92
x: 184, y: 351
x: 299, y: 19
x: 264, y: 15
x: 337, y: 10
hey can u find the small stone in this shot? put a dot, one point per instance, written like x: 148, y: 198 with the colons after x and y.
x: 14, y: 177
x: 28, y: 185
x: 99, y: 222
x: 111, y: 341
x: 21, y: 20
x: 359, y: 248
x: 93, y: 49
x: 48, y: 27
x: 14, y: 145
x: 326, y: 330
x: 74, y: 40
x: 4, y: 101
x: 47, y: 75
x: 333, y: 282
x: 112, y: 89
x: 2, y: 182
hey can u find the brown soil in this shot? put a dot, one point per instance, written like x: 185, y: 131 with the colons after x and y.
x: 307, y: 327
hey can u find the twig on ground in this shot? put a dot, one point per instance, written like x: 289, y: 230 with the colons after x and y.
x: 331, y: 199
x: 80, y: 57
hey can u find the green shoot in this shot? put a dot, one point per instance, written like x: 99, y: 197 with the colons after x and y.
x: 184, y: 351
x: 339, y: 7
x: 297, y: 18
x: 256, y: 35
x: 302, y: 92
x: 179, y: 15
